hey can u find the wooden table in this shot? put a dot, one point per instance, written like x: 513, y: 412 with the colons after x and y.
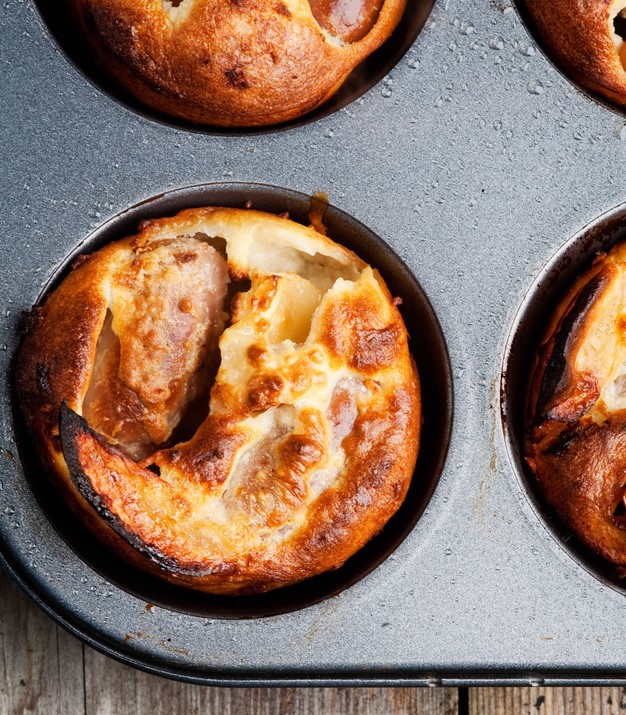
x: 45, y: 670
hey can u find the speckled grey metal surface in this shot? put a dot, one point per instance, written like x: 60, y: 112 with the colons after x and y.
x: 476, y: 160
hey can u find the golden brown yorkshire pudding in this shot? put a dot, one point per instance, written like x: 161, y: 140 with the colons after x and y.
x: 308, y: 442
x: 576, y: 439
x: 234, y: 63
x: 587, y: 38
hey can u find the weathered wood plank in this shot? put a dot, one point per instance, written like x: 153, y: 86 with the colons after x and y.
x: 547, y: 701
x: 110, y: 687
x: 45, y: 671
x: 41, y: 666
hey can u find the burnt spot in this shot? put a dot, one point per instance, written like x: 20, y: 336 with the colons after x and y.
x: 557, y: 374
x: 264, y: 391
x: 185, y: 257
x: 563, y: 442
x: 282, y: 9
x: 236, y: 78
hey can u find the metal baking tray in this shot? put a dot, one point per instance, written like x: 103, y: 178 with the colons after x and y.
x: 479, y: 166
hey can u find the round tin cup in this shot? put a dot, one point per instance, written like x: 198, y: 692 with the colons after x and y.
x: 427, y: 347
x: 57, y: 18
x: 528, y: 20
x: 529, y: 326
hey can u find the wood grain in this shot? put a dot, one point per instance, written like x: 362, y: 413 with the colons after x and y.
x: 547, y: 701
x: 45, y: 671
x: 40, y: 664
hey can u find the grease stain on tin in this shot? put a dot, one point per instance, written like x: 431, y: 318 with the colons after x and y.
x: 492, y: 466
x: 134, y: 636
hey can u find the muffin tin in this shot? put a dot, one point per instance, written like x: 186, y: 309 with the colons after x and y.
x: 479, y: 165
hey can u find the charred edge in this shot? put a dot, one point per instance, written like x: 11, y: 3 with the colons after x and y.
x: 29, y: 320
x: 70, y: 426
x: 561, y: 444
x: 555, y: 373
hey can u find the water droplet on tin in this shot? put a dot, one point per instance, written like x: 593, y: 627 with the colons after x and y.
x: 413, y: 64
x: 535, y: 682
x: 433, y: 682
x: 329, y: 133
x: 497, y: 125
x: 386, y: 91
x: 448, y: 552
x: 466, y: 28
x: 496, y: 43
x: 535, y: 87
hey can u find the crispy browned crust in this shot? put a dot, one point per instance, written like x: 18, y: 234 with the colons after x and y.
x: 225, y: 63
x: 309, y: 446
x: 580, y: 34
x: 582, y: 477
x: 576, y: 432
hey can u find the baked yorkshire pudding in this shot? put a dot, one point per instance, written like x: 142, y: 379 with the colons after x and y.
x: 234, y: 63
x: 305, y: 446
x: 576, y: 441
x: 587, y: 38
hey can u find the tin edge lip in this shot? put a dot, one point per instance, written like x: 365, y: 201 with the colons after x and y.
x: 426, y: 677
